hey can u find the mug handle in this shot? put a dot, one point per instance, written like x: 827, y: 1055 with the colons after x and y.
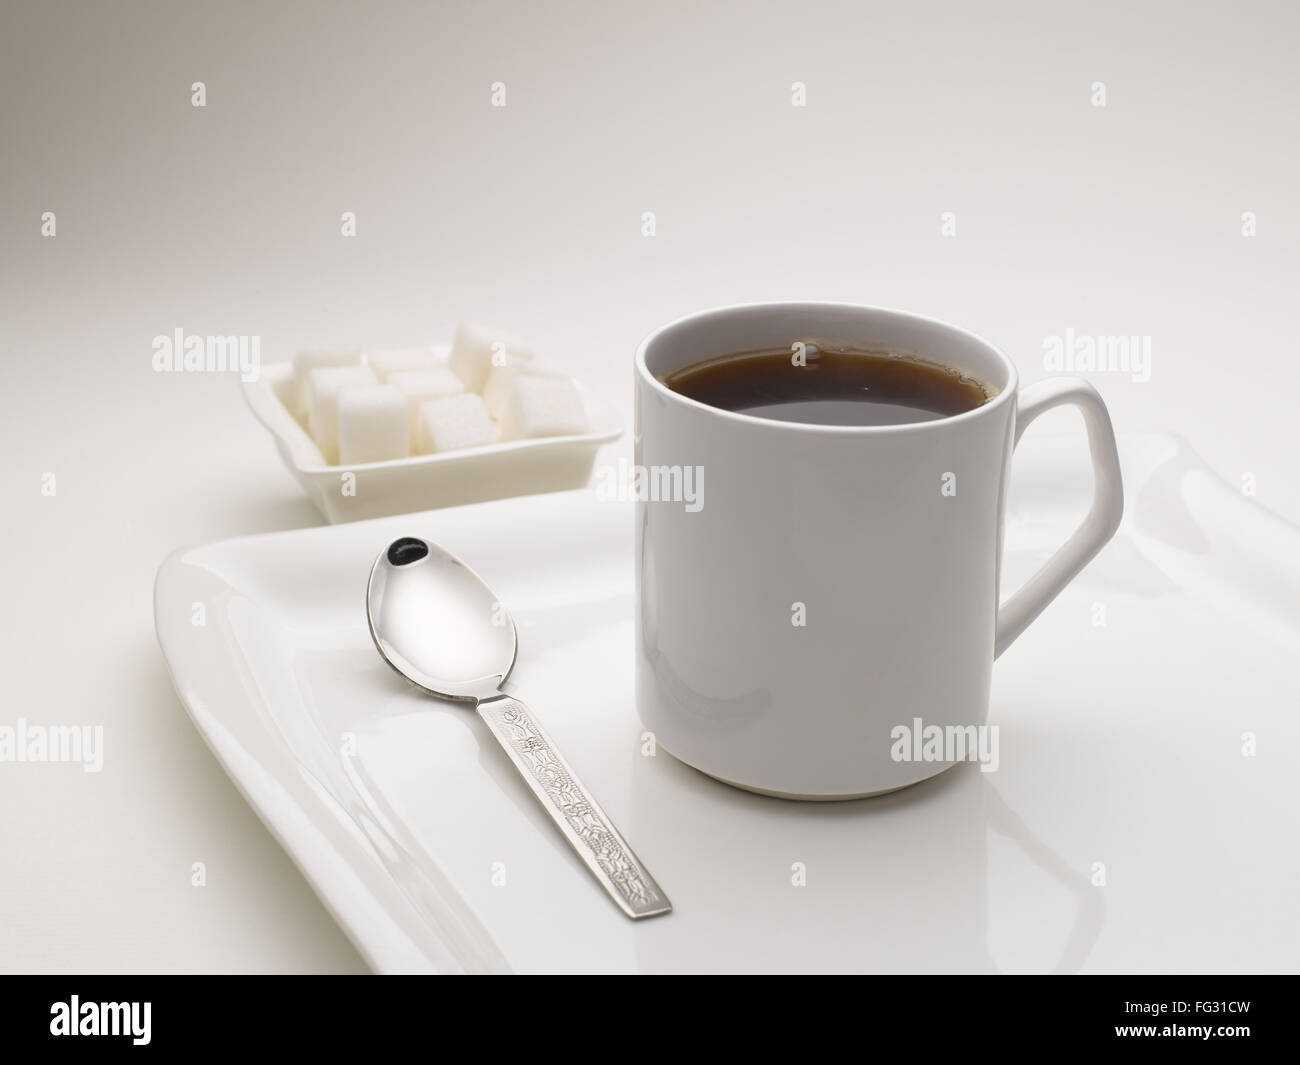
x: 1020, y: 609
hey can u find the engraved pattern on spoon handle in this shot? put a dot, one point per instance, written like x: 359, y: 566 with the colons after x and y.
x: 585, y: 825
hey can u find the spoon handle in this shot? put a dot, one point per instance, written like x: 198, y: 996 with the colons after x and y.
x: 585, y: 825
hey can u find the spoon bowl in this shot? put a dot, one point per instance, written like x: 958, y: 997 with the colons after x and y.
x: 437, y: 624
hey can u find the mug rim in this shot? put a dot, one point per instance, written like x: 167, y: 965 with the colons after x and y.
x: 1005, y: 396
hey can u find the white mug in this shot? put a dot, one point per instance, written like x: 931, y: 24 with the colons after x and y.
x: 804, y: 591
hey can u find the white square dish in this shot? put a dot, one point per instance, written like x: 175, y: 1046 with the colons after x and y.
x: 423, y: 482
x: 1119, y: 744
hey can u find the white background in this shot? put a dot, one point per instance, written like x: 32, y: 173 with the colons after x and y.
x: 1117, y: 220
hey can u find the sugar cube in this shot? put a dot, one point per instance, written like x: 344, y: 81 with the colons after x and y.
x: 323, y: 386
x: 501, y: 377
x: 394, y: 360
x: 303, y: 364
x: 419, y: 385
x: 454, y: 422
x: 374, y: 424
x: 542, y: 406
x: 477, y: 347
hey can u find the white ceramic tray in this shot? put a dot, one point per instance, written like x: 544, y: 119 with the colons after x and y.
x: 400, y: 486
x: 1123, y: 831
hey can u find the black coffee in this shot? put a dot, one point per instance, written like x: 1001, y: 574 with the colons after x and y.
x: 829, y: 387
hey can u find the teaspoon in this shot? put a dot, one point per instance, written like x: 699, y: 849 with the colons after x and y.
x: 438, y: 625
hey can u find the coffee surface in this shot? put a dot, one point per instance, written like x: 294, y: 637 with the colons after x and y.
x: 830, y: 387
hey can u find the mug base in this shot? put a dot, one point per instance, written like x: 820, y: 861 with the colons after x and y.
x: 793, y: 797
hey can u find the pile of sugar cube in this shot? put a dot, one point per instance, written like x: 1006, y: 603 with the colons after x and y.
x: 378, y: 405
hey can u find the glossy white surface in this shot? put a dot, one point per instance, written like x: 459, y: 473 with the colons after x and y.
x: 825, y: 585
x: 398, y: 486
x: 1121, y: 744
